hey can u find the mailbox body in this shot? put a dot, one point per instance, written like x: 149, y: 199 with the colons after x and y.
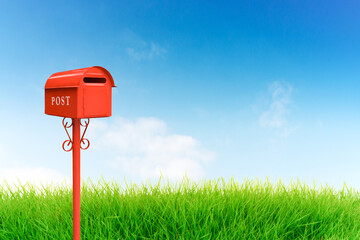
x: 80, y: 93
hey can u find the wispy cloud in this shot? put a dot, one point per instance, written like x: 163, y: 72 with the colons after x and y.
x: 147, y: 52
x: 139, y: 49
x: 277, y: 112
x: 144, y: 148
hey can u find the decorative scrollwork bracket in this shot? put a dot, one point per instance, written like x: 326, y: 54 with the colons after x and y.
x: 67, y: 144
x: 84, y: 142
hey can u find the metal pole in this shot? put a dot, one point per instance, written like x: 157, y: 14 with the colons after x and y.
x: 76, y: 178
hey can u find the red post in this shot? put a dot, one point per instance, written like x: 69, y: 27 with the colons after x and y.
x: 76, y: 178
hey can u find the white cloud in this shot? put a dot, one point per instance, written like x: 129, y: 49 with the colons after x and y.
x: 146, y: 52
x: 34, y: 175
x: 139, y: 49
x: 144, y: 148
x: 275, y: 117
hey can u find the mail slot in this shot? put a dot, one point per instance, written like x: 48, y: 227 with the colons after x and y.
x: 80, y: 93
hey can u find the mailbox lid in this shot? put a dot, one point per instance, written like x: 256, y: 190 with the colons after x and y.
x: 74, y: 78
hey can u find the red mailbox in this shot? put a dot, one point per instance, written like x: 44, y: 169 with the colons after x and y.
x: 77, y: 94
x: 80, y: 93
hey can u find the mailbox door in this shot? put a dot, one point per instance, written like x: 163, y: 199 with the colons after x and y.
x: 97, y: 101
x: 61, y: 102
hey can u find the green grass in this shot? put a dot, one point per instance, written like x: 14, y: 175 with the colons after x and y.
x: 187, y: 210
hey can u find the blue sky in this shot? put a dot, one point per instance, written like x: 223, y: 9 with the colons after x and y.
x: 214, y: 89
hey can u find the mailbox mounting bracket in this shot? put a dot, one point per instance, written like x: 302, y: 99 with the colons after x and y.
x: 83, y: 140
x: 68, y: 144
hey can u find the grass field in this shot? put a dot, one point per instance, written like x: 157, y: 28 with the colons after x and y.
x: 187, y: 210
